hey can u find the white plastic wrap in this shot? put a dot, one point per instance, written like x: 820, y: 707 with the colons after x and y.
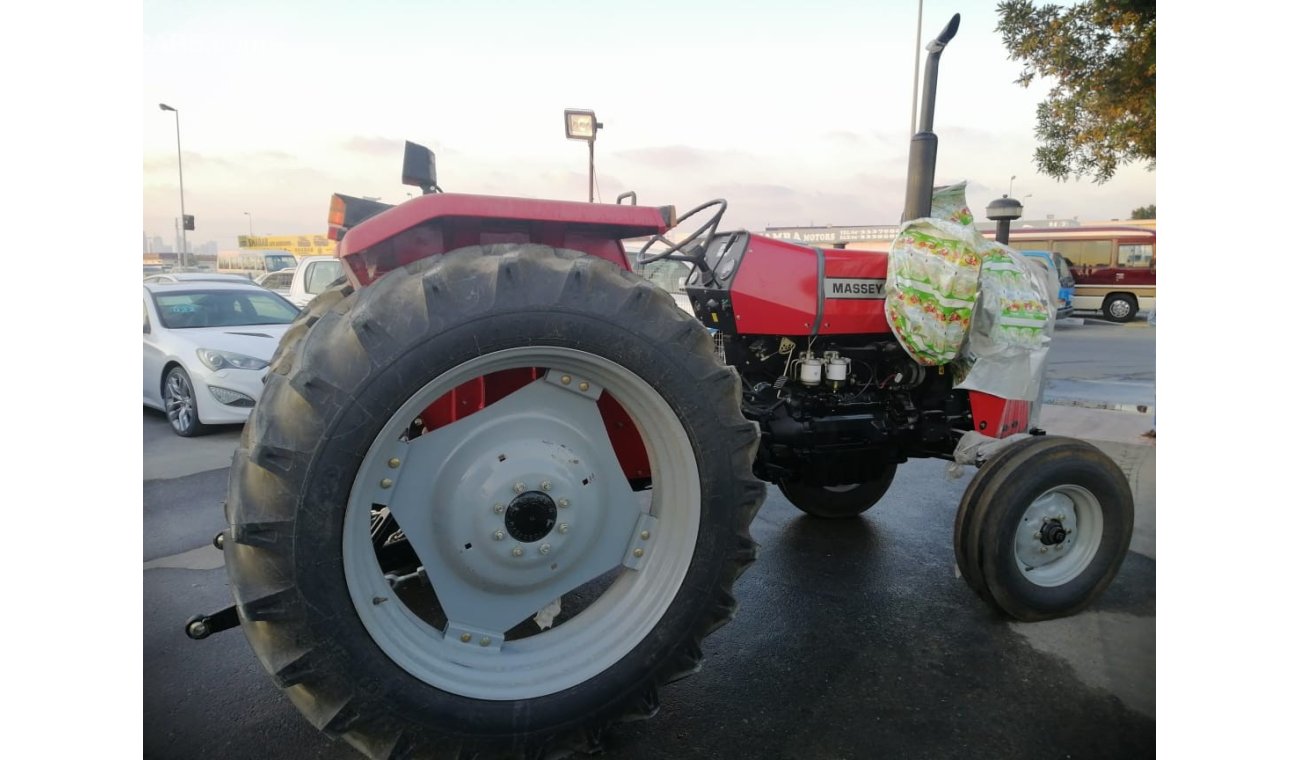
x: 1011, y: 327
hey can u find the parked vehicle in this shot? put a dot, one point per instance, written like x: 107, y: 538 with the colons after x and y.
x: 206, y: 349
x: 254, y: 263
x: 313, y: 276
x: 498, y: 488
x: 1114, y: 267
x: 280, y: 281
x: 174, y: 277
x: 1061, y: 275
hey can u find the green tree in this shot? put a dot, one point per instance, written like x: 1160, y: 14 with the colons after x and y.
x: 1101, y: 56
x: 1145, y: 212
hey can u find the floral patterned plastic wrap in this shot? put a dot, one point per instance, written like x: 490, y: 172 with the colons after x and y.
x: 933, y: 279
x: 952, y: 296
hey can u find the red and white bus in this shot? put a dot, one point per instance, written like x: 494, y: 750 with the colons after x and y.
x: 1114, y: 266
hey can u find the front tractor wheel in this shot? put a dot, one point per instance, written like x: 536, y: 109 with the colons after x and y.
x: 443, y: 541
x: 1044, y: 527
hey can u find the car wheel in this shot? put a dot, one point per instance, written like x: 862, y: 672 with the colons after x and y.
x: 488, y: 581
x: 180, y: 403
x: 1120, y: 308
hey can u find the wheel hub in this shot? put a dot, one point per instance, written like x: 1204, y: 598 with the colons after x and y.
x: 1052, y: 533
x: 530, y: 516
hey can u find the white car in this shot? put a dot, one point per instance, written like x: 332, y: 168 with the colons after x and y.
x: 173, y: 277
x: 279, y: 281
x: 206, y: 349
x: 313, y: 276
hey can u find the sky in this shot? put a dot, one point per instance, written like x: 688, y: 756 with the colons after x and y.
x: 796, y: 116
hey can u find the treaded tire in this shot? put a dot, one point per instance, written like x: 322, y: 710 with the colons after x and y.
x: 819, y: 501
x: 1121, y: 308
x: 965, y: 543
x: 1003, y: 499
x: 334, y: 384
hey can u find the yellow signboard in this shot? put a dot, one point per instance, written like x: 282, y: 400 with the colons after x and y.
x: 299, y: 245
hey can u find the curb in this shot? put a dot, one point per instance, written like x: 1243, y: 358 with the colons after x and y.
x: 1113, y: 407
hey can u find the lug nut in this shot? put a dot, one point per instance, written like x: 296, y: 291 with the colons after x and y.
x: 563, y: 527
x: 583, y: 386
x: 498, y: 508
x: 516, y: 552
x: 563, y: 503
x: 484, y: 641
x: 565, y: 379
x: 465, y: 637
x: 1038, y: 535
x: 386, y: 483
x: 1042, y: 550
x: 519, y: 487
x: 546, y: 485
x: 544, y: 548
x: 394, y: 462
x: 498, y: 535
x: 645, y: 534
x: 638, y: 552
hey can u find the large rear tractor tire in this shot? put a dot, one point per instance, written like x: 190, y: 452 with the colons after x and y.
x: 1044, y: 528
x: 525, y: 596
x: 838, y: 502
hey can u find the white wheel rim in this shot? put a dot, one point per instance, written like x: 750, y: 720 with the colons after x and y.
x: 581, y: 647
x: 1078, y: 514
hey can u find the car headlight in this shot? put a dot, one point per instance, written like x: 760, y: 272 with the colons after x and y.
x: 217, y: 360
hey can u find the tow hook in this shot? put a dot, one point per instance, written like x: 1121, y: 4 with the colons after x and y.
x: 203, y: 626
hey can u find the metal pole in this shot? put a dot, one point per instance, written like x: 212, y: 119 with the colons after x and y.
x: 591, y: 168
x: 916, y: 65
x: 250, y: 225
x: 181, y: 170
x: 1003, y: 235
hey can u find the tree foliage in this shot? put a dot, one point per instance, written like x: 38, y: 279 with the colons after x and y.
x: 1145, y: 212
x: 1101, y: 56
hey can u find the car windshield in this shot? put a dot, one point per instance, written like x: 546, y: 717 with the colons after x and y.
x: 222, y: 308
x: 277, y: 261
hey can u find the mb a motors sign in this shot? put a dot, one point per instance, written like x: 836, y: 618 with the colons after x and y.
x: 299, y: 245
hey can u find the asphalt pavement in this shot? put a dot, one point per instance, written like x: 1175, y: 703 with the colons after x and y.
x: 854, y: 639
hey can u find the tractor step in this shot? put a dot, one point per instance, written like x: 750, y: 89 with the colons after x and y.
x: 203, y: 626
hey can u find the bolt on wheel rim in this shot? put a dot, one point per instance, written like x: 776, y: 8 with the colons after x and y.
x: 180, y: 402
x: 1058, y: 535
x: 513, y: 508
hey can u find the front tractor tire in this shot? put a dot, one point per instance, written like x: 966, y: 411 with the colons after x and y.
x: 491, y: 586
x: 1043, y: 527
x: 839, y: 502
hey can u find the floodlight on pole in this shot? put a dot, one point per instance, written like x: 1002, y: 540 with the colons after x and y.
x: 582, y: 125
x: 181, y: 172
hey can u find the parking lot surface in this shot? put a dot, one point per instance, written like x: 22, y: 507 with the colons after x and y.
x: 854, y: 639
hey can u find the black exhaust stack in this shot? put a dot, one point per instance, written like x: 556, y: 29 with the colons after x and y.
x: 925, y: 144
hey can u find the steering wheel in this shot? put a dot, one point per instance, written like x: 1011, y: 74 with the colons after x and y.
x: 675, y: 251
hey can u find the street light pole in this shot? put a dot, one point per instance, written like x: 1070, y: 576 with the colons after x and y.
x: 250, y: 225
x: 181, y: 171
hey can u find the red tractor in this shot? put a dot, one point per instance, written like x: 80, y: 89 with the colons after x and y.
x: 498, y: 486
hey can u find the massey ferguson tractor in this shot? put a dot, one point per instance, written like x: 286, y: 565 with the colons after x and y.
x: 498, y: 486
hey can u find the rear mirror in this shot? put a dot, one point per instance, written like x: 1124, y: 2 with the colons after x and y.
x: 418, y: 168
